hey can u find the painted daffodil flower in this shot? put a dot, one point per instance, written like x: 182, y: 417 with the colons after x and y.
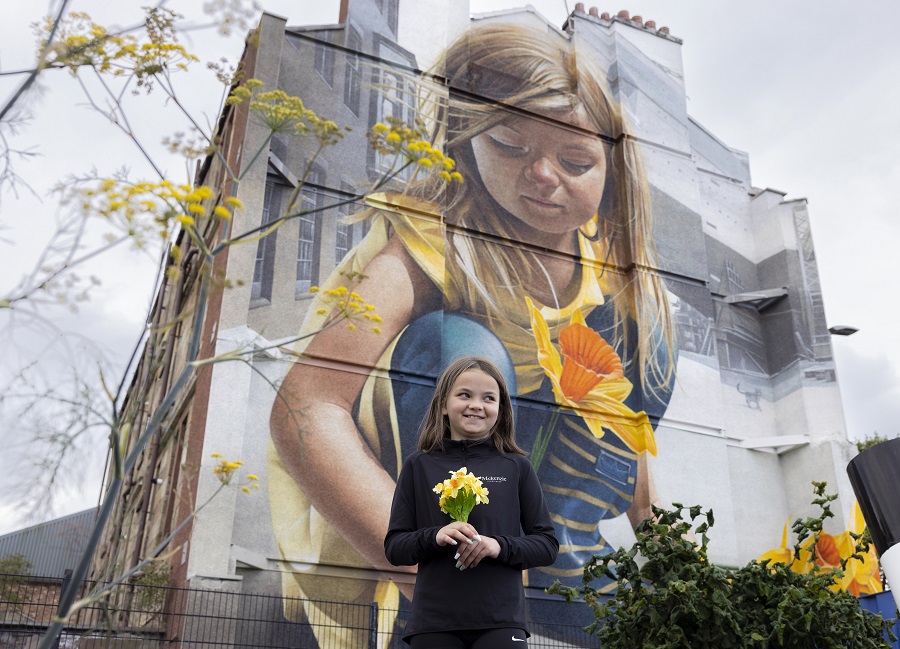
x: 859, y: 576
x: 590, y: 378
x: 779, y: 555
x: 864, y: 576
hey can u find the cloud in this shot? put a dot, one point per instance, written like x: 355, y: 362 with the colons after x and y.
x: 870, y: 388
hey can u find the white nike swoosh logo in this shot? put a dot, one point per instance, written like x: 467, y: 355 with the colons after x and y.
x: 515, y: 639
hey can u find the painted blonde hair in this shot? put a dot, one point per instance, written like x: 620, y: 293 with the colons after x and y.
x: 498, y: 71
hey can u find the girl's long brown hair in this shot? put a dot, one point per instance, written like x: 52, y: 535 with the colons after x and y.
x: 436, y: 427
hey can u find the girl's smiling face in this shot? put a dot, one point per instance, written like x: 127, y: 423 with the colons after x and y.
x: 472, y: 407
x: 548, y: 176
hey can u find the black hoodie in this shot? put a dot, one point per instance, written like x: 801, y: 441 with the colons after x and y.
x: 491, y: 594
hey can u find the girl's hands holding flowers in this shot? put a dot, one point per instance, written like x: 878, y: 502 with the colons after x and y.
x: 458, y: 496
x: 470, y: 554
x: 471, y: 547
x: 455, y: 533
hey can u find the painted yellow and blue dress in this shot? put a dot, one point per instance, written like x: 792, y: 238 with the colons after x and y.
x: 585, y: 479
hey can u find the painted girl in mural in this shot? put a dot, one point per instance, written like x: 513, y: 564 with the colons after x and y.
x: 542, y: 261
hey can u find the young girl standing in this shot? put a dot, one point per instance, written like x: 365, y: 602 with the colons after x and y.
x: 469, y: 591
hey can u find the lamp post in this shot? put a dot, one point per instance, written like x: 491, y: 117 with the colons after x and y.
x: 875, y: 476
x: 842, y: 330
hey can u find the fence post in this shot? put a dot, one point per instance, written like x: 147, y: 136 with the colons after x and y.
x: 67, y: 578
x: 373, y: 626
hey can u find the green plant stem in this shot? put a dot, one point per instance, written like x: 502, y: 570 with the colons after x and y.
x: 32, y: 75
x: 123, y: 468
x: 78, y: 576
x: 543, y: 440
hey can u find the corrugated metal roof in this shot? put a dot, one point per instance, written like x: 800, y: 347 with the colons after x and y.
x: 53, y: 546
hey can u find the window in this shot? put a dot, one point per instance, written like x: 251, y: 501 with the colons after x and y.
x: 394, y: 100
x: 741, y: 340
x: 390, y: 9
x: 324, y: 60
x: 312, y: 201
x: 343, y: 240
x: 352, y: 74
x: 735, y: 285
x: 264, y: 268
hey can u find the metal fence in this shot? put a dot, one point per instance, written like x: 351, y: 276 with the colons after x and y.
x: 139, y: 616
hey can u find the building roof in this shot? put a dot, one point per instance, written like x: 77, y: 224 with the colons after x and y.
x: 53, y: 546
x: 624, y: 16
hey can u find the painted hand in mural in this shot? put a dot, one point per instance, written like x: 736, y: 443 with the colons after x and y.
x: 313, y: 427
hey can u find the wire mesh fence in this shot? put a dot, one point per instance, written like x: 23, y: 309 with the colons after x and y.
x: 146, y: 616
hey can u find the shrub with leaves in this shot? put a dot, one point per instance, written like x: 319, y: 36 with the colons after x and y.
x: 151, y: 582
x: 674, y: 598
x: 869, y: 442
x: 15, y: 564
x: 15, y: 570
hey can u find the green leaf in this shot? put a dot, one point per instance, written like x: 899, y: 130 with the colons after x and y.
x: 677, y: 599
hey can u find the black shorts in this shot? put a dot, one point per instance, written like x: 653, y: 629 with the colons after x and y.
x: 508, y: 638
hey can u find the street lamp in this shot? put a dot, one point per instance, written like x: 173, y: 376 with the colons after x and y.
x: 842, y: 330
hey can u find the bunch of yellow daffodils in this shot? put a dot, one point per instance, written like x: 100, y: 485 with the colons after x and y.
x: 460, y: 493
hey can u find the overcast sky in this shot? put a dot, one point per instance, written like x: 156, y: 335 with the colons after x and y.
x: 808, y: 88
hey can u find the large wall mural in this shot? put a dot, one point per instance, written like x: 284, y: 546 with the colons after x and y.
x: 546, y: 247
x: 597, y: 227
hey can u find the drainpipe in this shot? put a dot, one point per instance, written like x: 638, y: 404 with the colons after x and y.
x: 164, y: 387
